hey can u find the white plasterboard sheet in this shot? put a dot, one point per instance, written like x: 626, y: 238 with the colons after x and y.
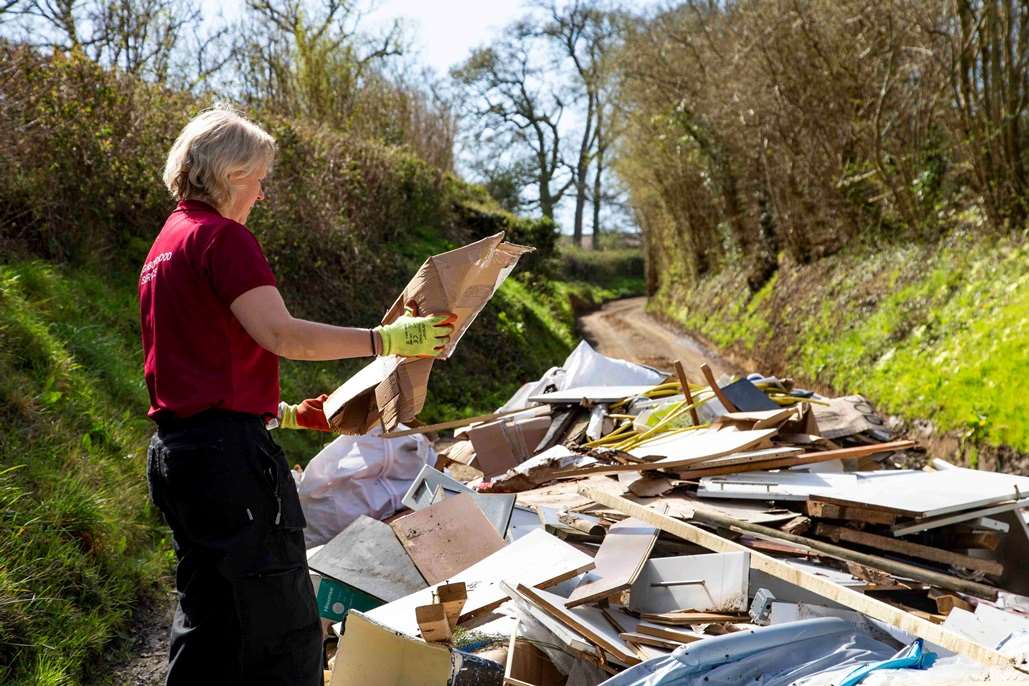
x: 773, y: 485
x: 533, y: 559
x: 919, y: 493
x: 725, y: 577
x: 690, y: 447
x: 988, y: 626
x: 596, y: 394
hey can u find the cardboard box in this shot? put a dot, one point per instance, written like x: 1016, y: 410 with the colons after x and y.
x: 392, y: 390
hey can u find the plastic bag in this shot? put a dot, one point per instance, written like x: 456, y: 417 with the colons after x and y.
x: 359, y: 475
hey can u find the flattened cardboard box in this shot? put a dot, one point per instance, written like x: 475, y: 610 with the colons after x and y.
x: 391, y: 389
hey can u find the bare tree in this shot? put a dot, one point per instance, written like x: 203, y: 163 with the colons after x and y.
x: 511, y: 105
x: 581, y: 33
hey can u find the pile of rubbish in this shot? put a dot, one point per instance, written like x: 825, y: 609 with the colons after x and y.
x: 614, y: 524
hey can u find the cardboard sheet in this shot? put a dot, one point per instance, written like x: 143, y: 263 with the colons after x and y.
x: 392, y: 390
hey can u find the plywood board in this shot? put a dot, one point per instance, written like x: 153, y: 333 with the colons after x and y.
x: 367, y: 556
x: 782, y: 570
x: 763, y: 419
x: 588, y: 621
x: 917, y: 493
x: 691, y: 447
x: 536, y: 559
x: 497, y: 507
x: 622, y: 554
x: 447, y: 537
x: 670, y: 633
x: 593, y: 394
x: 670, y: 584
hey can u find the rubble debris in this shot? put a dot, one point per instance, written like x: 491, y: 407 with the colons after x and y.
x: 678, y: 530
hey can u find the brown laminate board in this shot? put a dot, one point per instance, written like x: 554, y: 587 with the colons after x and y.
x: 623, y: 552
x: 448, y: 537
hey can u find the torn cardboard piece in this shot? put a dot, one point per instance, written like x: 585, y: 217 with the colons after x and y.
x: 391, y: 389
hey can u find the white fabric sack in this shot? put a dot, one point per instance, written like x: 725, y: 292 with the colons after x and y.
x: 359, y: 475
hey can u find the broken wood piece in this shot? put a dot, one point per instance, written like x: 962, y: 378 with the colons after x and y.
x: 806, y: 458
x: 825, y: 510
x: 587, y: 621
x: 764, y: 419
x: 680, y: 372
x: 945, y: 602
x: 452, y: 597
x: 527, y: 665
x: 448, y: 537
x: 651, y: 486
x: 648, y: 640
x: 619, y: 561
x: 559, y: 426
x: 669, y: 633
x: 713, y: 384
x: 432, y: 623
x: 690, y: 618
x: 923, y: 552
x: 844, y: 596
x: 979, y: 540
x: 797, y: 526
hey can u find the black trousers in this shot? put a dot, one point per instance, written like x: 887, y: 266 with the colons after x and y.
x: 246, y: 609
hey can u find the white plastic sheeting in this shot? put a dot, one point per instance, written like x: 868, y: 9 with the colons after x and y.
x: 359, y: 475
x: 585, y: 367
x: 787, y: 654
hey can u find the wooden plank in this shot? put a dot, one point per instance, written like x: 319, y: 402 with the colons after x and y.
x: 917, y: 493
x: 824, y: 510
x: 823, y: 587
x: 588, y: 621
x: 536, y: 559
x: 748, y: 456
x: 648, y: 640
x: 691, y: 618
x: 936, y: 522
x: 923, y: 552
x: 713, y: 384
x: 684, y: 382
x: 622, y: 555
x: 763, y: 419
x: 447, y: 537
x: 979, y: 540
x: 700, y: 583
x: 807, y: 458
x: 670, y: 633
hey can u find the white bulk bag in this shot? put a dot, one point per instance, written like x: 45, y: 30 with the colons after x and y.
x: 359, y: 475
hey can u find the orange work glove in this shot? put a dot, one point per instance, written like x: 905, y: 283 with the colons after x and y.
x: 307, y: 415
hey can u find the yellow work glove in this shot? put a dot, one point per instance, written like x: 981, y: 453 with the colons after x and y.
x: 413, y: 336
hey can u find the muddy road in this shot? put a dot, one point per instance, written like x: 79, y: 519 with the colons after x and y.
x: 624, y: 329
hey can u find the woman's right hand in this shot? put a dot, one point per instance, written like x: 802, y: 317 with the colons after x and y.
x: 414, y: 336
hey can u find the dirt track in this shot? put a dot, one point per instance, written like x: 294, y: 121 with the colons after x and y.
x: 624, y: 329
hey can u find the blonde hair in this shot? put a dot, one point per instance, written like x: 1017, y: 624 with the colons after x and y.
x: 214, y: 146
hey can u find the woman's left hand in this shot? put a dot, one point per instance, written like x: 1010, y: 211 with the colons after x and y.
x: 307, y: 415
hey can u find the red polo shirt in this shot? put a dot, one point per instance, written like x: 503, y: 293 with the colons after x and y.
x: 197, y: 355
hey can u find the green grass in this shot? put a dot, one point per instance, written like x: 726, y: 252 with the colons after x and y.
x: 936, y: 331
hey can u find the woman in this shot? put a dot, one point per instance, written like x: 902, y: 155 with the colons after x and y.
x: 213, y: 328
